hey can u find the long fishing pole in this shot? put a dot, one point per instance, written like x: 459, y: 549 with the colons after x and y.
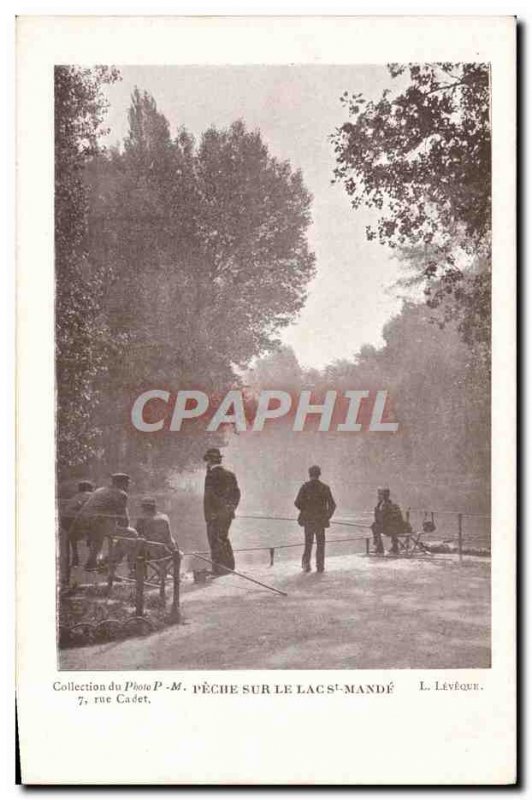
x: 241, y: 575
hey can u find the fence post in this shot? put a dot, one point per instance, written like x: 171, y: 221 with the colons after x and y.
x: 367, y: 545
x: 140, y: 569
x: 111, y: 556
x: 162, y: 586
x: 272, y: 554
x: 460, y: 554
x: 175, y: 614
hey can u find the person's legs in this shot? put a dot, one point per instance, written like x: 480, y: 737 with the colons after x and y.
x: 320, y: 549
x: 64, y: 556
x: 395, y: 545
x: 96, y: 536
x: 214, y: 544
x: 118, y: 552
x: 71, y: 540
x: 74, y: 549
x: 126, y: 546
x: 226, y: 555
x: 377, y: 539
x: 307, y: 552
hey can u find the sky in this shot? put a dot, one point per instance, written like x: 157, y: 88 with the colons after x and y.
x: 296, y: 109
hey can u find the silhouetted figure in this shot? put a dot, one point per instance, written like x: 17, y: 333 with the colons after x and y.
x: 377, y: 524
x: 220, y: 501
x: 388, y: 522
x: 316, y: 506
x: 71, y: 524
x: 105, y: 513
x: 154, y: 526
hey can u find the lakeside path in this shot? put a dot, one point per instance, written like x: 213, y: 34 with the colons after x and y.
x: 362, y: 613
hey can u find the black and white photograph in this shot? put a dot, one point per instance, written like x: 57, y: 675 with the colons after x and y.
x: 266, y: 400
x: 273, y: 330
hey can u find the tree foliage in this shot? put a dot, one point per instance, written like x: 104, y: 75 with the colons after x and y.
x: 421, y: 157
x: 439, y: 394
x: 207, y: 242
x: 81, y: 334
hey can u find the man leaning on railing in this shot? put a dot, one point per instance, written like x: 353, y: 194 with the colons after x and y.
x: 106, y: 514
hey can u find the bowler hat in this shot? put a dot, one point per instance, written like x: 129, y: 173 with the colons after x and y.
x: 212, y: 453
x: 85, y: 486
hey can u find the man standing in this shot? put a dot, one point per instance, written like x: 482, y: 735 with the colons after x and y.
x: 316, y: 506
x: 220, y: 500
x: 105, y: 511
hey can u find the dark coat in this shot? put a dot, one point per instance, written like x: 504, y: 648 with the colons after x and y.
x: 388, y: 519
x: 69, y: 509
x: 108, y: 501
x: 69, y: 514
x: 222, y: 494
x: 315, y: 503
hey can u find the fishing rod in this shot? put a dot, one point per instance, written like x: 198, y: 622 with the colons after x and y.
x: 240, y: 575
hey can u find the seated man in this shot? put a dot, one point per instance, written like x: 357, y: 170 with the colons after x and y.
x: 154, y: 527
x: 388, y: 521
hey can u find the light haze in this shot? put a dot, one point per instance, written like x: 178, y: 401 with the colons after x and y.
x: 296, y: 109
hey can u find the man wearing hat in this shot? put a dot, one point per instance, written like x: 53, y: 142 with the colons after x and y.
x: 105, y: 511
x: 155, y: 527
x: 220, y: 499
x: 70, y: 523
x: 316, y: 506
x: 388, y: 521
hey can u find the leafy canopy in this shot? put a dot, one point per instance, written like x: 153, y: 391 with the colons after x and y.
x: 421, y: 157
x: 81, y: 334
x: 207, y: 246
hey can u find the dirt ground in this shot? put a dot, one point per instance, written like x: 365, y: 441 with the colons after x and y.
x: 362, y: 613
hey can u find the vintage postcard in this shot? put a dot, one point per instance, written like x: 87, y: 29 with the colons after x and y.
x: 266, y: 400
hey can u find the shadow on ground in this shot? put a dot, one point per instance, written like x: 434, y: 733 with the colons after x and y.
x: 362, y: 613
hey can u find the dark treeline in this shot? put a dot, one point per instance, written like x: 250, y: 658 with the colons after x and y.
x: 440, y: 395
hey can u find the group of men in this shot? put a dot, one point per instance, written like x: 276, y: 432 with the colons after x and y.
x: 94, y: 514
x: 97, y: 514
x: 222, y: 495
x: 316, y: 506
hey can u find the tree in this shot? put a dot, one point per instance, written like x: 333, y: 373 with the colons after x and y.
x: 81, y: 335
x: 422, y: 158
x: 438, y: 392
x: 210, y: 259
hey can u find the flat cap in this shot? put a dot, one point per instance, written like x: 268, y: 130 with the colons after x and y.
x: 120, y: 477
x: 148, y: 502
